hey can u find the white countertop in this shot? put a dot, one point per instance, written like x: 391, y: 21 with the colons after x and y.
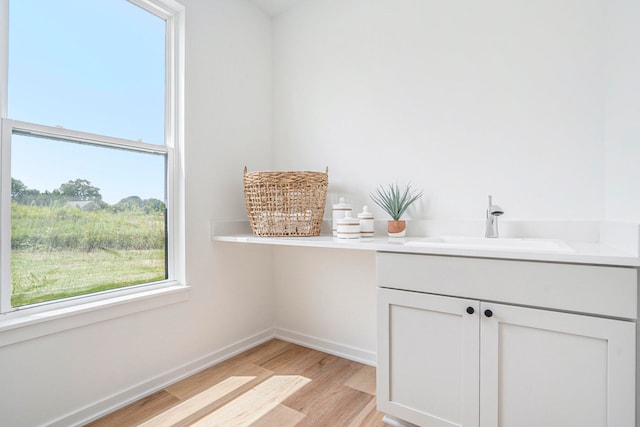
x: 583, y: 253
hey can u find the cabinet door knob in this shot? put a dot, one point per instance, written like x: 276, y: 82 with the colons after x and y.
x: 470, y: 310
x: 488, y: 313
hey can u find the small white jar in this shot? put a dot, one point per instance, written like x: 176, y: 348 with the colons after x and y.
x: 348, y: 227
x: 337, y: 212
x: 367, y: 227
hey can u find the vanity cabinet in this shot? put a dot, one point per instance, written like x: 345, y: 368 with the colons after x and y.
x: 456, y: 353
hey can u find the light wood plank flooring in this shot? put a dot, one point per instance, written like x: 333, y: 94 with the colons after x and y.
x: 276, y: 384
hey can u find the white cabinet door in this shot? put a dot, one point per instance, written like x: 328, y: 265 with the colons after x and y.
x: 551, y: 369
x: 428, y: 349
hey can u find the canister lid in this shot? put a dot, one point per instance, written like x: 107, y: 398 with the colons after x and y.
x: 342, y: 204
x: 348, y: 220
x: 366, y: 213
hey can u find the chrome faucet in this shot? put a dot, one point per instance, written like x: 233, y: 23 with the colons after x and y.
x: 493, y: 212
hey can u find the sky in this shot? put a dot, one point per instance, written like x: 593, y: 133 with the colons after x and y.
x: 45, y: 164
x: 96, y: 66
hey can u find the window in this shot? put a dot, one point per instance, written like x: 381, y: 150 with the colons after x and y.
x: 91, y: 182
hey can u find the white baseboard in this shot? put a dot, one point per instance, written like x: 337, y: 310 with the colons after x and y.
x: 98, y: 409
x: 396, y: 422
x: 105, y: 406
x: 348, y: 352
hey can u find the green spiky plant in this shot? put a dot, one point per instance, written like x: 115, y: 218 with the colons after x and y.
x: 394, y: 201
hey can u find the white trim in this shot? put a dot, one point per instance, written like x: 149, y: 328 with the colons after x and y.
x: 5, y: 218
x: 174, y: 15
x: 69, y: 135
x: 178, y: 91
x: 114, y: 402
x: 85, y: 300
x: 38, y: 320
x: 4, y: 56
x: 14, y: 329
x: 9, y: 127
x: 164, y: 9
x: 105, y: 406
x: 396, y: 422
x: 367, y: 357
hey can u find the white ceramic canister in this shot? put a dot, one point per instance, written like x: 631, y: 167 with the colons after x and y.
x: 337, y: 212
x: 348, y: 227
x: 367, y: 227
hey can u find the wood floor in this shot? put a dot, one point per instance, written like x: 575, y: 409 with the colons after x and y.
x: 276, y: 384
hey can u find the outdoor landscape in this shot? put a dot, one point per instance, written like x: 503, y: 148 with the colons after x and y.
x: 69, y: 242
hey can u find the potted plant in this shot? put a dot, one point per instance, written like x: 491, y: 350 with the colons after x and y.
x: 395, y: 202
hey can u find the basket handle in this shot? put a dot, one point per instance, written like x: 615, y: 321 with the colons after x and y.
x: 326, y: 170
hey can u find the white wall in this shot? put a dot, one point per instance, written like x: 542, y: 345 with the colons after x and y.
x: 228, y: 124
x: 623, y: 112
x: 326, y: 299
x: 462, y: 98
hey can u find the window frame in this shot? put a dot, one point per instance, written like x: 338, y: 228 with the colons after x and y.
x: 57, y: 315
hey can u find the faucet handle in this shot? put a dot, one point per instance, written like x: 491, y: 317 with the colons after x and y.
x: 494, y: 210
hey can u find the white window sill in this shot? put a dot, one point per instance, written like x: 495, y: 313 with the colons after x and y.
x: 17, y: 327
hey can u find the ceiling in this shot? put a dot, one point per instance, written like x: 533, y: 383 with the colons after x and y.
x: 273, y: 7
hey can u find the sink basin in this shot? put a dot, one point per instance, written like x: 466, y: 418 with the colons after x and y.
x: 524, y: 244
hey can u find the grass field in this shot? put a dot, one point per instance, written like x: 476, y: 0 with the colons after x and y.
x: 59, y: 252
x: 44, y: 276
x: 61, y: 227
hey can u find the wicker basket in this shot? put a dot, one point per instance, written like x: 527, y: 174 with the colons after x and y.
x: 285, y: 203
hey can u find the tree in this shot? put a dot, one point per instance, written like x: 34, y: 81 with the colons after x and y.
x: 135, y: 203
x: 80, y: 189
x: 18, y: 189
x: 22, y: 194
x: 153, y: 205
x: 131, y: 203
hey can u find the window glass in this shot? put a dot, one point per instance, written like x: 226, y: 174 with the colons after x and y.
x: 93, y: 181
x: 90, y: 65
x: 84, y: 218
